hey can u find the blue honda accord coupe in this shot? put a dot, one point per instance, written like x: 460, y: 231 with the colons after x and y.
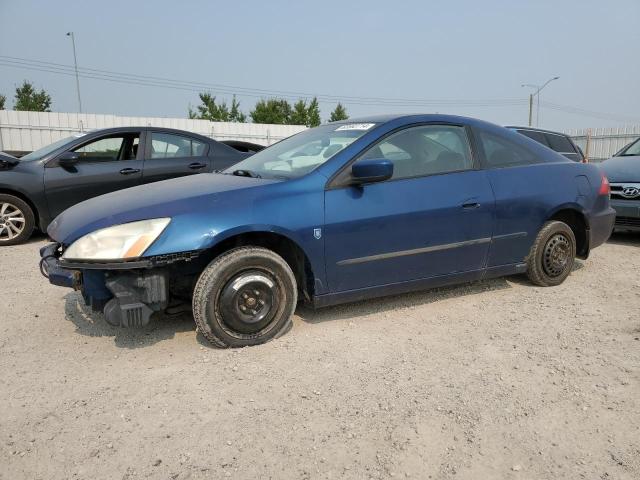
x: 338, y: 213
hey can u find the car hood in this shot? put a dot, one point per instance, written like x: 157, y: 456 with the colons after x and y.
x: 622, y: 169
x: 168, y: 198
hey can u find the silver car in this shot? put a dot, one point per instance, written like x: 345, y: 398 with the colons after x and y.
x: 623, y: 172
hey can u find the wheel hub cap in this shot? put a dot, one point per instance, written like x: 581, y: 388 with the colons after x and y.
x: 248, y: 302
x: 12, y: 221
x: 557, y: 254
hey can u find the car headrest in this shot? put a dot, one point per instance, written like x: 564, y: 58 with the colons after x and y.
x: 332, y: 150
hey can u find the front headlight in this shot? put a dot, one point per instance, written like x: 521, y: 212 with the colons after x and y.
x: 129, y: 240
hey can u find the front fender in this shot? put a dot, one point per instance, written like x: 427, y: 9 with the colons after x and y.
x: 182, y: 236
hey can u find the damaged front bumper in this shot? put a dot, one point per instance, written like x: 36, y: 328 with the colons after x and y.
x: 127, y: 292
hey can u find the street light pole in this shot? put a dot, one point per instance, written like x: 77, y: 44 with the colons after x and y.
x: 75, y: 63
x: 537, y: 95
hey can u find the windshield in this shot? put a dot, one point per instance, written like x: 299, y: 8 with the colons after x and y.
x: 632, y: 150
x: 44, y: 151
x: 298, y: 155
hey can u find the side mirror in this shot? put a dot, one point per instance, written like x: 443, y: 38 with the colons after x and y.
x: 68, y: 159
x: 371, y: 171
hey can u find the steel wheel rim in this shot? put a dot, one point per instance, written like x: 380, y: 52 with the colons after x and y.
x: 556, y: 255
x: 248, y: 302
x: 12, y: 221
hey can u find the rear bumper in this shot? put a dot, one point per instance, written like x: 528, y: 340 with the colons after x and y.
x: 600, y: 227
x: 627, y: 214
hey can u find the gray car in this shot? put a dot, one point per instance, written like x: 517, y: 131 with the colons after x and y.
x: 623, y: 172
x: 39, y: 186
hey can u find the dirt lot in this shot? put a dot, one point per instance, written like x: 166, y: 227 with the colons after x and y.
x: 497, y: 379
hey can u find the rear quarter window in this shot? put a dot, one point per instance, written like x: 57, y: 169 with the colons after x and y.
x: 559, y: 143
x: 501, y: 152
x: 537, y: 136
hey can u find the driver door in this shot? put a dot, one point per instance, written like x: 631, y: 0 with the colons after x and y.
x: 105, y: 164
x: 434, y: 217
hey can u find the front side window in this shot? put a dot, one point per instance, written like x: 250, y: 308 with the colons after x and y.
x: 110, y: 149
x: 298, y: 155
x: 424, y: 150
x: 501, y: 152
x: 167, y: 145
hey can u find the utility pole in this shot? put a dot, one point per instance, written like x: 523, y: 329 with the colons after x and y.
x: 75, y: 63
x: 530, y: 109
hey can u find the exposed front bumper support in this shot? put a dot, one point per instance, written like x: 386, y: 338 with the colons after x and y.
x: 50, y: 268
x: 135, y: 297
x: 128, y: 293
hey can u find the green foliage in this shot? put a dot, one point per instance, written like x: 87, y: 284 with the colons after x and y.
x: 2, y: 100
x: 28, y: 99
x: 235, y: 115
x: 273, y: 110
x: 210, y: 110
x: 270, y: 110
x: 300, y: 116
x: 340, y: 113
x: 306, y: 115
x: 313, y: 113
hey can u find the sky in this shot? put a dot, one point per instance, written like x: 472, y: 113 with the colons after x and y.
x: 463, y: 57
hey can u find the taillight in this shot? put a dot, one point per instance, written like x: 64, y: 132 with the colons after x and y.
x: 605, y: 188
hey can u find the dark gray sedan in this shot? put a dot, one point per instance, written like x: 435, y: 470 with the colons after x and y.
x: 623, y: 172
x: 37, y: 187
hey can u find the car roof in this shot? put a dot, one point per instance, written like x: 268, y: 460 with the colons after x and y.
x: 413, y: 117
x: 534, y: 129
x: 106, y: 131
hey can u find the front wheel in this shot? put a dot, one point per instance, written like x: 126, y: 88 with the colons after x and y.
x: 244, y: 297
x: 552, y: 255
x: 17, y: 220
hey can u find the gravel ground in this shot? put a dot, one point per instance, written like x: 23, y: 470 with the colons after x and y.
x: 497, y: 379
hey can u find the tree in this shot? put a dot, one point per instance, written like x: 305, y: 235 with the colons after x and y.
x: 273, y: 110
x: 210, y: 110
x: 2, y: 100
x: 340, y: 113
x: 235, y: 115
x: 313, y: 113
x: 300, y: 116
x: 28, y: 99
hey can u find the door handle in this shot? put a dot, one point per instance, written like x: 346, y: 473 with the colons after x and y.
x: 129, y: 171
x: 470, y: 205
x: 197, y: 166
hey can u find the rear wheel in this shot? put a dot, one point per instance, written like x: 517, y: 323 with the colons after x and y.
x: 552, y: 255
x: 244, y: 297
x: 16, y: 220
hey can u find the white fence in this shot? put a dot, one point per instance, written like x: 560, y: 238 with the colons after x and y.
x: 28, y: 131
x: 604, y: 142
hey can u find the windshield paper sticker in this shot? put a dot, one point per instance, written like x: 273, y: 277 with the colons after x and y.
x: 356, y: 126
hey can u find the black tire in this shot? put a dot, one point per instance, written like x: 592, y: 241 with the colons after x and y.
x: 11, y: 209
x: 227, y: 296
x: 552, y: 255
